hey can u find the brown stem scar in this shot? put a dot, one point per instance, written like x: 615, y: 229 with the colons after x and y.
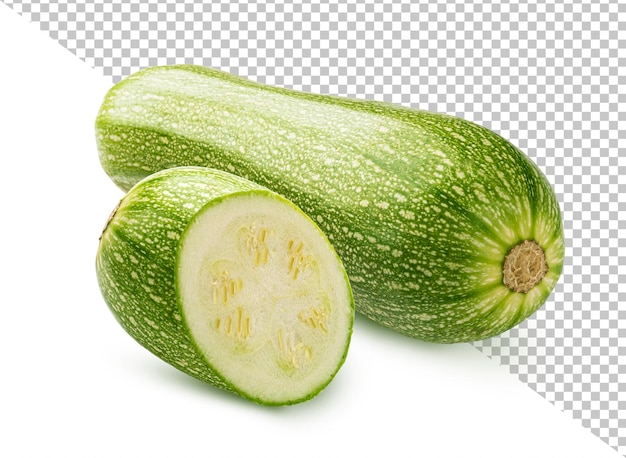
x: 524, y: 266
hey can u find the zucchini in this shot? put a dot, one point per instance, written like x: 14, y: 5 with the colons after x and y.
x: 448, y: 232
x: 228, y: 282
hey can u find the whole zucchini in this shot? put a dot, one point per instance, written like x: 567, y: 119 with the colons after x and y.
x: 448, y: 232
x: 228, y: 282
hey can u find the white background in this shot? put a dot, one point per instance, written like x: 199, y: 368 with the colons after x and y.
x: 73, y: 384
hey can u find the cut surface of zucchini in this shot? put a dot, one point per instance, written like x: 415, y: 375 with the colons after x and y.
x: 263, y: 297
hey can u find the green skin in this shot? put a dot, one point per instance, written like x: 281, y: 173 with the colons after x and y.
x: 421, y: 207
x: 137, y: 261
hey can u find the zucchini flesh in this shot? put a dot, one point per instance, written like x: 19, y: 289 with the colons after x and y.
x: 423, y: 208
x: 228, y: 282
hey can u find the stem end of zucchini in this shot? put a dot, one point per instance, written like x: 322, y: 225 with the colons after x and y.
x: 110, y: 218
x: 524, y: 266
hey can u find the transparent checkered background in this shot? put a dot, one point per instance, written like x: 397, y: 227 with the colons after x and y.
x: 550, y: 77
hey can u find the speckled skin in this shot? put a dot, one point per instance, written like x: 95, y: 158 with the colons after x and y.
x: 421, y: 207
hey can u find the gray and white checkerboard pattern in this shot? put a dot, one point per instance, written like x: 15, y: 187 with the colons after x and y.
x: 550, y: 77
